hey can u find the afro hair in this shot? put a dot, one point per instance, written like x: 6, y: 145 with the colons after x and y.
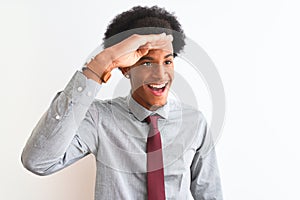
x: 144, y: 20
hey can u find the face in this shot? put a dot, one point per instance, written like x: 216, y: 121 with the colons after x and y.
x: 151, y: 78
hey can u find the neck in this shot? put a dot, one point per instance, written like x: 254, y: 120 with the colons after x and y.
x: 148, y: 106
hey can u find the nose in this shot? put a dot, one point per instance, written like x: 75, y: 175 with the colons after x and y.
x: 158, y: 71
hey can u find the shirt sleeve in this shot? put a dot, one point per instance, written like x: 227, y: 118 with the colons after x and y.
x: 67, y: 131
x: 205, y: 178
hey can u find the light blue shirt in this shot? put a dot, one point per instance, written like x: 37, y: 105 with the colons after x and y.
x: 76, y: 125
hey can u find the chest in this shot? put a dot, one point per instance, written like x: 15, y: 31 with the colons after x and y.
x: 122, y: 144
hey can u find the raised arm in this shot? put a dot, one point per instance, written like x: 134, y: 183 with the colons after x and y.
x: 56, y: 141
x: 68, y: 129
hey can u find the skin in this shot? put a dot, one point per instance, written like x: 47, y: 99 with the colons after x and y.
x: 147, y: 59
x: 155, y: 68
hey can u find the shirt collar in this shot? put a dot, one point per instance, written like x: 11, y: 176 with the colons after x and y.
x: 141, y: 113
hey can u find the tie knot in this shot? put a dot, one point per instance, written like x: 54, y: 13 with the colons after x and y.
x: 152, y: 120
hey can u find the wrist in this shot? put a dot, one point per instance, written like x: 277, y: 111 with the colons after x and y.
x: 99, y: 67
x: 91, y: 74
x: 104, y: 59
x: 102, y: 73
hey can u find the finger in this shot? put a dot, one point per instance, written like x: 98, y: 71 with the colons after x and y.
x: 158, y: 37
x: 135, y: 42
x: 164, y: 45
x: 141, y: 52
x: 145, y: 46
x: 161, y: 43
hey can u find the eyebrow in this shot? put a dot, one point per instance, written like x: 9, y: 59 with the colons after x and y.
x: 151, y: 58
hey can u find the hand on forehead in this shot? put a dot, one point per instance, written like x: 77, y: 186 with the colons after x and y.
x: 159, y: 41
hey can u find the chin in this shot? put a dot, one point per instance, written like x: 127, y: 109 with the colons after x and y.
x: 156, y: 102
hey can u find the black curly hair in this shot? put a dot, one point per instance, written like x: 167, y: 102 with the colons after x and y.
x: 137, y: 18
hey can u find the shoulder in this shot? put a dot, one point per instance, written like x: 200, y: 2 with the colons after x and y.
x: 110, y: 105
x: 187, y: 112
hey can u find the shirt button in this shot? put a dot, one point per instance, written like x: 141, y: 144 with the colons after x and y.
x: 79, y: 89
x: 89, y: 94
x: 57, y: 117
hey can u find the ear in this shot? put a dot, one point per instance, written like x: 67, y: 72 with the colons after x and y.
x: 125, y: 70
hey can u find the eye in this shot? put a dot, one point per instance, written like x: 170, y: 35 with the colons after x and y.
x: 147, y: 64
x: 168, y: 62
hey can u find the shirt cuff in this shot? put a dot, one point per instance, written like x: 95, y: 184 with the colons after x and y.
x: 81, y: 89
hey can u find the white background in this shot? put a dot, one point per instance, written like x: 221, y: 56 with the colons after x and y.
x: 254, y: 44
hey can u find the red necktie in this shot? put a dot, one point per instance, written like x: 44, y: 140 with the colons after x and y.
x: 155, y: 168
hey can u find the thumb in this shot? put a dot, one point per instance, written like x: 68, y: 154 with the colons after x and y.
x: 142, y: 52
x: 144, y: 49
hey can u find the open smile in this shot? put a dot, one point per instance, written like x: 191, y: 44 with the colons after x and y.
x: 158, y: 89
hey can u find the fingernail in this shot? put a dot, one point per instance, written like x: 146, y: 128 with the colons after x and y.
x: 170, y: 37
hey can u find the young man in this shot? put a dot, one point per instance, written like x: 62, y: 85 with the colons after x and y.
x: 146, y: 145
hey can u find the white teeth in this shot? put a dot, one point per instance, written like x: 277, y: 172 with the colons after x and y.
x: 158, y: 86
